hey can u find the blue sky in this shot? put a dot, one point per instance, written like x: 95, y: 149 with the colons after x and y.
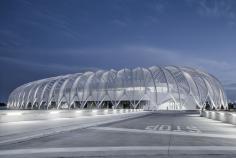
x: 44, y: 38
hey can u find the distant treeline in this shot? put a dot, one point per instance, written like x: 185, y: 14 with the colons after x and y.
x: 3, y: 104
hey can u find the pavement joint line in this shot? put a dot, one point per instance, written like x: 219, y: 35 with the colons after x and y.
x: 57, y: 130
x: 165, y: 132
x: 110, y: 149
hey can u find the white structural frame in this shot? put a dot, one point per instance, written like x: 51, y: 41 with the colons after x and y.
x: 150, y: 88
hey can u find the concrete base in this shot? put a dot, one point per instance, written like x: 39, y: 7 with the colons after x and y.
x: 226, y: 117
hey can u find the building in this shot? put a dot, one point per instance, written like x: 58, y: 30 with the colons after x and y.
x: 154, y: 88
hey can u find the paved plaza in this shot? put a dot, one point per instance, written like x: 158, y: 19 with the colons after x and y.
x: 140, y: 134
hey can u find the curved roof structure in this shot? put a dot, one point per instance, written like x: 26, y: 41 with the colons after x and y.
x: 168, y: 87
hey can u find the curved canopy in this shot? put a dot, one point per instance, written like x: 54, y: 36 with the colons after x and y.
x: 150, y: 88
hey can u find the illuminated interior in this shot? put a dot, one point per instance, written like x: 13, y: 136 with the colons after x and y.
x: 154, y: 88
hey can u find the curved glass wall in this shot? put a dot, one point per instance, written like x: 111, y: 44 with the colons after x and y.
x: 154, y: 88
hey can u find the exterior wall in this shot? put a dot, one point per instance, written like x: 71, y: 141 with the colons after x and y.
x: 150, y: 88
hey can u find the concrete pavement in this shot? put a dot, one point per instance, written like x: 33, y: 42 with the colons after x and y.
x: 11, y: 132
x: 155, y: 134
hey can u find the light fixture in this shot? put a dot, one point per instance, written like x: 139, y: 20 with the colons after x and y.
x: 14, y: 113
x: 78, y: 111
x: 54, y: 112
x: 94, y: 111
x: 106, y: 110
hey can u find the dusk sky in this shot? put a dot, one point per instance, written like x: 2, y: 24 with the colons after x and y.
x: 45, y: 38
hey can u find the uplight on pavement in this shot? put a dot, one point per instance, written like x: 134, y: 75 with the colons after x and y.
x: 78, y: 111
x: 14, y: 113
x: 94, y: 111
x: 106, y: 111
x: 54, y: 112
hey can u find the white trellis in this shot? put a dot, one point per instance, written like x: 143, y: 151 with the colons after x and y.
x: 182, y: 86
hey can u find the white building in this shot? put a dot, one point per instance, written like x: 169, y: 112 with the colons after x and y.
x: 153, y: 88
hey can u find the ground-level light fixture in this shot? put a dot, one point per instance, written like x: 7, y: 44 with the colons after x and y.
x: 14, y: 113
x: 54, y: 112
